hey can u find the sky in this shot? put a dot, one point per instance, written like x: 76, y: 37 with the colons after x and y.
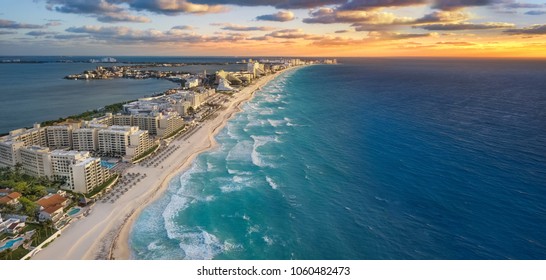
x: 333, y: 28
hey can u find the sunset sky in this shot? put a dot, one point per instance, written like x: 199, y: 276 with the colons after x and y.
x: 469, y: 28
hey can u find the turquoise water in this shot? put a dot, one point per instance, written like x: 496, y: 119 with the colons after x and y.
x: 10, y: 244
x: 107, y: 164
x: 74, y: 211
x: 371, y: 159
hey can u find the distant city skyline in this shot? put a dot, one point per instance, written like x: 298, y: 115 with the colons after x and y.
x: 451, y: 28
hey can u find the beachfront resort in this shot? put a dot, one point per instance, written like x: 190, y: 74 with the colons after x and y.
x: 55, y: 174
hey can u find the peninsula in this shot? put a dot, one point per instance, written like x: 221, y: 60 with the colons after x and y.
x: 184, y: 125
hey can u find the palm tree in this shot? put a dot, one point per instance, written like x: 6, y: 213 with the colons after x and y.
x: 191, y: 111
x: 9, y: 254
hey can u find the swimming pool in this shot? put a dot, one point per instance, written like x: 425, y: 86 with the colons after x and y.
x: 107, y: 164
x: 74, y: 211
x: 10, y: 244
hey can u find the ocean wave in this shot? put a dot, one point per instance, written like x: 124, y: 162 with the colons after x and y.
x: 176, y: 204
x: 276, y: 123
x: 271, y: 183
x: 231, y: 188
x: 240, y: 152
x: 268, y: 240
x: 198, y: 244
x: 260, y: 141
x: 266, y: 112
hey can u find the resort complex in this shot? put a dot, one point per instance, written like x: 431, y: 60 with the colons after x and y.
x: 99, y: 158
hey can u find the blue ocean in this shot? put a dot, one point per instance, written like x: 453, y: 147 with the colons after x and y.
x: 368, y: 159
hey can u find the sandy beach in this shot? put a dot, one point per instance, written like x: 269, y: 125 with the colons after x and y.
x: 104, y: 233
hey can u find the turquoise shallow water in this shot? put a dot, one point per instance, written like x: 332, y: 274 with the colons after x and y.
x: 371, y: 159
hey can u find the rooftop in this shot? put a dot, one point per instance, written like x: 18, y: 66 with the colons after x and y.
x: 51, y: 200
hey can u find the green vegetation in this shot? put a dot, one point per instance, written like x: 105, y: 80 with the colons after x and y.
x: 191, y: 111
x: 145, y: 154
x: 16, y: 254
x: 102, y: 187
x: 42, y: 233
x: 88, y: 115
x: 31, y: 189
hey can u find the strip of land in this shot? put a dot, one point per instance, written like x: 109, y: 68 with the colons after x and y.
x: 104, y: 233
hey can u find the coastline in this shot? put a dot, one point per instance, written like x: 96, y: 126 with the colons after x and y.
x: 105, y: 233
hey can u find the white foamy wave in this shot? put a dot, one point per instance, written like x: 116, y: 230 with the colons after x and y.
x: 231, y: 188
x: 266, y: 111
x: 268, y: 240
x: 155, y: 246
x: 210, y: 166
x: 240, y: 152
x: 275, y: 123
x: 238, y: 172
x: 255, y: 155
x: 271, y: 182
x: 209, y: 198
x: 238, y: 179
x: 176, y: 204
x: 200, y: 245
x: 253, y: 229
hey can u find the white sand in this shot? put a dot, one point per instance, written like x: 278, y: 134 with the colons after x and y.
x: 104, y: 233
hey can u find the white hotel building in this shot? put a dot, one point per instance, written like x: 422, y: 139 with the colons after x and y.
x: 81, y: 172
x: 36, y: 161
x: 85, y: 139
x: 126, y: 141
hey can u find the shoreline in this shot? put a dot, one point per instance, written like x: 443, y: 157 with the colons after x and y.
x: 105, y: 233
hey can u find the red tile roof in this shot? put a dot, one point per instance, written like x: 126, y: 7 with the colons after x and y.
x: 52, y: 209
x: 50, y: 201
x: 9, y: 197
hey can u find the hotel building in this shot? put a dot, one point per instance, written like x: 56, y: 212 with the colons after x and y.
x: 9, y: 152
x: 85, y: 139
x: 124, y: 141
x: 36, y: 161
x: 80, y: 172
x: 59, y: 136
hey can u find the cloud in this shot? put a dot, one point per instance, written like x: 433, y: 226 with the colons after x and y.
x: 536, y: 29
x: 103, y: 10
x: 279, y: 4
x: 397, y: 36
x: 39, y: 33
x: 53, y: 22
x: 126, y: 35
x: 329, y: 16
x: 122, y: 17
x: 450, y: 5
x: 118, y: 10
x: 236, y: 27
x: 281, y: 16
x: 183, y: 27
x: 82, y: 6
x: 70, y: 36
x: 16, y: 25
x: 4, y: 32
x: 335, y: 42
x: 458, y: 44
x: 173, y: 7
x: 289, y: 34
x: 342, y: 31
x: 370, y: 4
x: 466, y: 26
x: 443, y: 16
x: 516, y: 5
x: 536, y: 13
